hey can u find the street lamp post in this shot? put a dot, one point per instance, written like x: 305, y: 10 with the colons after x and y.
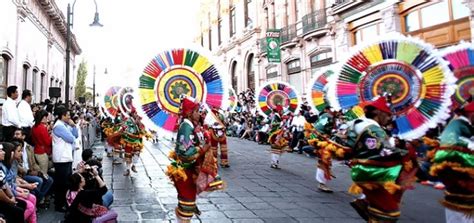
x: 70, y: 14
x: 93, y: 89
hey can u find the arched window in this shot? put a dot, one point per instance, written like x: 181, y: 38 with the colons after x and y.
x: 4, y: 62
x: 234, y: 75
x: 251, y: 72
x: 34, y: 80
x: 26, y: 69
x: 51, y: 82
x: 42, y: 86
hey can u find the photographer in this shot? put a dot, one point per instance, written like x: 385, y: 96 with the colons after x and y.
x: 86, y: 203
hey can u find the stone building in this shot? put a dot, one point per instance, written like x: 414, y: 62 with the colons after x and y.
x: 318, y: 33
x: 33, y: 47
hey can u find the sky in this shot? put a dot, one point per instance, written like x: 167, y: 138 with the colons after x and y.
x: 134, y: 32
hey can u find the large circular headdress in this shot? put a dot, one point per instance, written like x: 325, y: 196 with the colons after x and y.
x: 126, y: 100
x: 232, y: 100
x: 172, y: 74
x: 461, y: 62
x: 318, y: 90
x: 276, y: 93
x: 111, y: 101
x: 419, y: 83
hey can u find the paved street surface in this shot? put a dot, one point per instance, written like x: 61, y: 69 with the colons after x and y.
x: 254, y: 193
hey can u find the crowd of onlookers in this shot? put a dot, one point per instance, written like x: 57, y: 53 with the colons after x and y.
x: 43, y: 159
x: 246, y: 122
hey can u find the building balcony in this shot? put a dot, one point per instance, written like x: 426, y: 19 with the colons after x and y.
x: 314, y: 23
x: 288, y: 34
x: 344, y: 5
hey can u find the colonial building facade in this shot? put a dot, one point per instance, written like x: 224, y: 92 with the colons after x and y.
x: 33, y: 48
x: 318, y: 33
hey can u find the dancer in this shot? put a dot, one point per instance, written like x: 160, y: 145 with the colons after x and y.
x: 453, y: 163
x: 276, y: 137
x: 219, y: 139
x: 194, y: 168
x: 379, y: 170
x: 323, y: 128
x: 132, y: 133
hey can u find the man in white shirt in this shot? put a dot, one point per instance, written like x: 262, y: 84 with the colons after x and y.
x: 297, y: 125
x: 10, y: 116
x: 26, y: 114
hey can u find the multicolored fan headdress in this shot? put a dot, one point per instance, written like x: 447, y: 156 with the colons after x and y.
x: 318, y: 90
x: 232, y: 100
x: 172, y: 74
x: 273, y: 95
x: 125, y: 97
x: 418, y: 82
x: 461, y: 62
x: 111, y: 101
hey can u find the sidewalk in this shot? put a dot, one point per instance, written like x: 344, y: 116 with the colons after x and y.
x: 135, y: 196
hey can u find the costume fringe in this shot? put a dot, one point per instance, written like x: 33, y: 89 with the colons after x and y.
x: 176, y: 173
x: 354, y: 189
x: 468, y: 210
x: 436, y: 168
x: 391, y: 187
x: 430, y: 142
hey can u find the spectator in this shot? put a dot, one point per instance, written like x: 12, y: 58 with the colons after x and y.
x: 263, y: 133
x: 78, y: 143
x: 86, y: 203
x: 26, y: 114
x: 30, y: 170
x: 12, y: 208
x: 20, y: 188
x: 64, y: 136
x: 297, y: 125
x: 10, y: 116
x: 42, y: 140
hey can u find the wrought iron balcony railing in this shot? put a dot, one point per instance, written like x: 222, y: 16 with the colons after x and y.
x: 288, y: 33
x: 314, y: 21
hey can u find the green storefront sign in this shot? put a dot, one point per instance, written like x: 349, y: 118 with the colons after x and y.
x: 273, y: 45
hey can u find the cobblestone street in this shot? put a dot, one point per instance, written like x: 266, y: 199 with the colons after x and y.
x: 254, y: 193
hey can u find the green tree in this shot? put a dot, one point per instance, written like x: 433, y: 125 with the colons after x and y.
x: 88, y: 96
x: 80, y: 89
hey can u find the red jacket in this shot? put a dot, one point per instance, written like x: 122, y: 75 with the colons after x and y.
x: 41, y: 139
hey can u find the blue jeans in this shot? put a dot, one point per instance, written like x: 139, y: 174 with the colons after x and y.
x: 308, y: 150
x: 108, y: 199
x: 43, y: 185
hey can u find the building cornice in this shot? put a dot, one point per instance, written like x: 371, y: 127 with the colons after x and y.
x: 59, y: 21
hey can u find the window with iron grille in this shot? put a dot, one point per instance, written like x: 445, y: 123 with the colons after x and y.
x: 294, y: 66
x: 272, y: 72
x: 321, y: 59
x: 232, y: 21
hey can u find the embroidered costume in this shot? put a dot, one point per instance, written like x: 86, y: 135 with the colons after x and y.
x: 453, y: 164
x: 277, y: 139
x: 219, y: 139
x: 380, y: 170
x: 194, y: 167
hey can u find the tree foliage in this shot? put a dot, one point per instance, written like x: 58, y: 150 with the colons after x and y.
x: 88, y: 96
x: 80, y: 90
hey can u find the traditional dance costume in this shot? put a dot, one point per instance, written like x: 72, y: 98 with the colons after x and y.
x: 276, y: 138
x: 219, y: 139
x: 194, y: 167
x: 324, y: 127
x: 132, y: 134
x: 379, y: 170
x: 453, y: 164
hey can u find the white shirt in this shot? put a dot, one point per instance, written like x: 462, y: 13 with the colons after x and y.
x: 25, y: 158
x: 26, y: 114
x: 10, y: 116
x: 298, y: 122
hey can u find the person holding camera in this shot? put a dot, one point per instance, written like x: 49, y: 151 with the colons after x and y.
x: 85, y: 203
